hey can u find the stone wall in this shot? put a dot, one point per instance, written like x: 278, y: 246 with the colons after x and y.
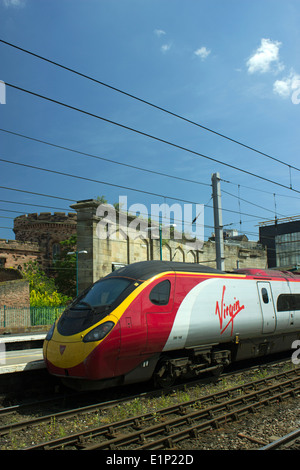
x: 38, y: 235
x: 100, y: 256
x: 9, y: 274
x: 14, y: 254
x: 14, y: 303
x: 15, y: 293
x: 46, y: 230
x: 246, y: 254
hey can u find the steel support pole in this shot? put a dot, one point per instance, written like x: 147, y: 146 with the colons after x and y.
x: 216, y: 193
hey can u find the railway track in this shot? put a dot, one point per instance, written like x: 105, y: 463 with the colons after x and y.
x: 285, y: 442
x: 88, y: 405
x: 65, y: 400
x: 168, y: 426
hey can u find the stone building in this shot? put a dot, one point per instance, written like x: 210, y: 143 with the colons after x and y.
x: 38, y: 237
x: 98, y: 255
x: 14, y: 254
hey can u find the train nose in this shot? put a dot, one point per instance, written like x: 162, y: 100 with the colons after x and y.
x: 65, y: 354
x: 91, y: 353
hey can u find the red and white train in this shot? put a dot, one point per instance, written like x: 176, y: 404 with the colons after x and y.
x: 165, y: 320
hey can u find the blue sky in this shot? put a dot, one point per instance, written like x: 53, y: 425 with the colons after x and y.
x: 230, y: 65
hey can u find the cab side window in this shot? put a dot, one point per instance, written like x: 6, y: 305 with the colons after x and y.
x: 287, y: 302
x: 265, y: 296
x: 160, y: 294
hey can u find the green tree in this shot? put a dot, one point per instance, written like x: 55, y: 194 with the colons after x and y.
x: 102, y: 199
x: 64, y: 268
x: 43, y: 292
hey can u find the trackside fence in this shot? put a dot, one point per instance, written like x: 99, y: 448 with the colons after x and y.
x: 28, y: 316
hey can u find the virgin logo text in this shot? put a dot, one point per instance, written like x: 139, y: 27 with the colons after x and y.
x: 227, y: 313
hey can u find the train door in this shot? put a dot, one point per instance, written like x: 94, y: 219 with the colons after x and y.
x: 267, y: 307
x: 158, y: 308
x: 133, y: 334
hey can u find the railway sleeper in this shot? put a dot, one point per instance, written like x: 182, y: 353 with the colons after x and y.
x: 169, y: 443
x: 182, y: 410
x: 194, y: 433
x: 137, y: 424
x: 167, y: 429
x: 111, y: 433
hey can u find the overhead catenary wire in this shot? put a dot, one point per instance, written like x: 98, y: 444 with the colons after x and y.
x: 146, y: 214
x: 51, y: 144
x: 98, y: 157
x: 37, y: 194
x: 79, y: 152
x: 205, y: 225
x: 230, y: 241
x: 200, y: 182
x: 176, y: 177
x: 45, y: 222
x: 152, y: 171
x: 258, y: 189
x: 27, y: 228
x: 34, y: 205
x: 239, y: 201
x: 145, y: 134
x: 94, y: 181
x: 249, y: 202
x: 130, y: 95
x: 110, y: 184
x: 206, y: 205
x: 142, y: 241
x: 70, y: 200
x: 122, y: 241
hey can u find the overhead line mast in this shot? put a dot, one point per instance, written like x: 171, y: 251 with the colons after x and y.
x: 218, y: 222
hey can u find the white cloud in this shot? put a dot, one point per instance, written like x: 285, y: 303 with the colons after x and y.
x: 266, y: 56
x: 266, y: 59
x: 287, y: 85
x: 203, y: 52
x: 165, y: 47
x: 13, y: 3
x: 159, y: 32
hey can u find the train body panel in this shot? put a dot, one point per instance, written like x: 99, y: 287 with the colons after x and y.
x: 172, y: 319
x: 218, y: 310
x: 157, y: 304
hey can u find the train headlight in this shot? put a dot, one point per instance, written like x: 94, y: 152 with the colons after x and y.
x: 99, y: 332
x: 50, y: 333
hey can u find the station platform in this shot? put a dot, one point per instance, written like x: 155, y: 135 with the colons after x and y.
x: 21, y: 361
x: 21, y: 352
x: 21, y: 338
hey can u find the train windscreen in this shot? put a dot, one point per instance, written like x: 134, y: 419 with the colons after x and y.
x: 104, y: 293
x: 94, y: 305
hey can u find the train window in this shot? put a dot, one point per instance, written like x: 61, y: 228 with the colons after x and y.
x: 265, y: 296
x: 94, y: 305
x: 286, y: 302
x: 105, y: 292
x: 160, y: 294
